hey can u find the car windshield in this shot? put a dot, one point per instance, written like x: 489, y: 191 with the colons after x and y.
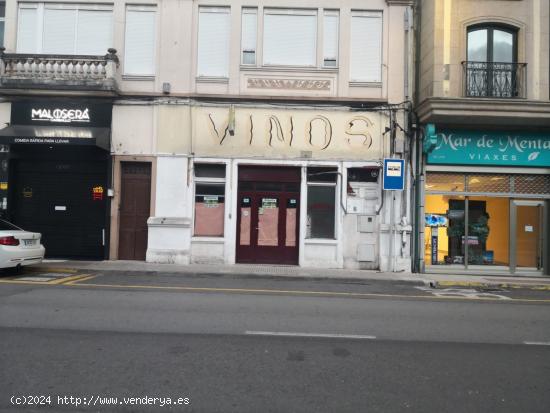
x: 6, y: 226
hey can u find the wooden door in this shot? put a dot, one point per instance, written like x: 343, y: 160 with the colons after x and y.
x: 135, y: 201
x: 268, y: 224
x: 268, y: 215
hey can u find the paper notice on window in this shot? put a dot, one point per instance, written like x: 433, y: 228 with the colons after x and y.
x: 394, y: 169
x: 208, y: 220
x: 211, y: 201
x: 528, y: 228
x: 244, y: 238
x: 290, y: 227
x: 268, y: 227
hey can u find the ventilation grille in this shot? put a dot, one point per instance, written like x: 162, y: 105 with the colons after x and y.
x: 490, y: 183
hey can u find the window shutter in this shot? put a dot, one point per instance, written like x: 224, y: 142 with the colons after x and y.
x: 214, y: 42
x: 290, y: 39
x: 95, y: 32
x: 139, y: 49
x: 366, y: 47
x: 330, y: 39
x: 248, y: 36
x: 59, y: 31
x: 26, y: 30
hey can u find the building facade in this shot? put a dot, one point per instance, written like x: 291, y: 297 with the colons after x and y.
x: 220, y: 132
x: 483, y: 169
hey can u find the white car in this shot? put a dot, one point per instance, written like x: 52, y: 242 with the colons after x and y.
x: 19, y: 247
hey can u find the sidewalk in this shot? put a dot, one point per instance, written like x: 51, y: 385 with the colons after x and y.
x: 274, y: 271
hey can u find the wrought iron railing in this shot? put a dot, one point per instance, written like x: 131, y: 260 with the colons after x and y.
x: 494, y: 79
x: 45, y: 68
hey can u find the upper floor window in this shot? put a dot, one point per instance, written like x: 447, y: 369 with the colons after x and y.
x: 492, y: 44
x: 213, y: 47
x: 366, y: 46
x: 249, y: 35
x: 290, y: 37
x: 491, y: 69
x: 2, y: 21
x: 51, y: 28
x: 330, y: 38
x: 139, y: 43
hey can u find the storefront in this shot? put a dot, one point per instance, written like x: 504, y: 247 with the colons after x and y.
x: 58, y: 170
x: 278, y: 185
x: 486, y: 203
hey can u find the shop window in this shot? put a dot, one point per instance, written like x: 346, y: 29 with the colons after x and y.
x: 139, y: 47
x: 209, y: 200
x: 214, y: 42
x: 321, y: 202
x: 70, y: 29
x: 445, y: 182
x: 467, y: 230
x: 360, y: 180
x: 363, y: 175
x: 366, y: 46
x: 488, y: 183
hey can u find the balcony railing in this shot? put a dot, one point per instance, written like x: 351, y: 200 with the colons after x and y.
x: 59, y: 71
x: 494, y: 79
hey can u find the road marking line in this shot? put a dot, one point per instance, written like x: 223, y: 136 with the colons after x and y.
x: 25, y: 282
x: 321, y: 335
x: 85, y: 277
x: 42, y: 279
x: 72, y: 278
x: 268, y: 291
x: 297, y: 292
x: 537, y: 343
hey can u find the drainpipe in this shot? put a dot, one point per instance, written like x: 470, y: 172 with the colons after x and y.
x: 418, y: 254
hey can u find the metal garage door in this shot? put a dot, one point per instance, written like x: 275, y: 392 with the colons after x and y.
x: 65, y: 201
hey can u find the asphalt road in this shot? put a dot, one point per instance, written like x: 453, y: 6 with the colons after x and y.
x: 253, y: 346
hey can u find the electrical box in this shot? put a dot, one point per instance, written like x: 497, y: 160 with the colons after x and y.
x: 365, y: 252
x: 365, y: 223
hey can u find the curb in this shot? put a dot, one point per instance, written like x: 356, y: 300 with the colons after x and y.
x: 226, y: 274
x: 474, y: 284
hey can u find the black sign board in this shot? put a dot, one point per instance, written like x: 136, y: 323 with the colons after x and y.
x: 61, y: 112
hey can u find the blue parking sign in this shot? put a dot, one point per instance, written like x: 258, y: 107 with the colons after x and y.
x: 394, y: 174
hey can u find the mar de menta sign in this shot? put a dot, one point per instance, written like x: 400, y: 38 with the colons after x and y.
x: 456, y: 147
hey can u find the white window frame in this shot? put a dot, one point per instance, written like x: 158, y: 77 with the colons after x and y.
x: 3, y: 20
x: 41, y: 7
x: 214, y: 9
x: 373, y: 14
x: 320, y: 38
x: 210, y: 181
x: 331, y: 13
x: 336, y: 197
x: 144, y: 9
x: 249, y: 11
x: 298, y: 12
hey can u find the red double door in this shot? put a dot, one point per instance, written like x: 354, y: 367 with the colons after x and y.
x: 268, y: 215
